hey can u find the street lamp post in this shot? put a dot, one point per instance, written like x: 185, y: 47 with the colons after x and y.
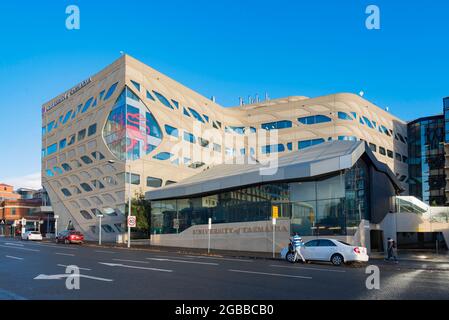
x: 99, y: 230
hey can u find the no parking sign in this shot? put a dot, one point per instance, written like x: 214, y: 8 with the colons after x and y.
x: 132, y: 222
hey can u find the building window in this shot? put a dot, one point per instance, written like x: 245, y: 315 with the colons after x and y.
x: 189, y: 137
x: 163, y: 100
x: 398, y: 157
x: 92, y: 130
x: 285, y: 124
x: 154, y: 182
x: 196, y: 115
x: 97, y: 155
x: 135, y: 178
x: 87, y: 105
x: 176, y: 103
x: 203, y: 142
x: 66, y: 192
x: 368, y: 122
x: 81, y: 135
x: 382, y: 151
x: 86, y: 215
x: 170, y: 182
x: 86, y: 160
x: 373, y: 147
x: 163, y: 156
x: 273, y: 149
x: 217, y: 147
x: 86, y: 187
x: 62, y: 144
x: 52, y: 149
x: 110, y: 91
x: 347, y: 138
x: 390, y: 154
x: 66, y: 167
x: 314, y: 120
x: 67, y: 117
x: 136, y: 85
x: 309, y: 143
x: 344, y: 116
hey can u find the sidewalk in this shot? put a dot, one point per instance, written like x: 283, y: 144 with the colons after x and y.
x: 407, y: 260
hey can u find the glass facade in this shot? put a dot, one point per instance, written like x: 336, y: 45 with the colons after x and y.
x: 131, y: 130
x: 446, y: 118
x: 331, y: 206
x: 427, y: 180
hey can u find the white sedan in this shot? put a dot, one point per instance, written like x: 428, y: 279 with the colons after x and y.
x: 329, y: 250
x: 32, y: 236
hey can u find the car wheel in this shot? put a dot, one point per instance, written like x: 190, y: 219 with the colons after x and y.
x: 337, y: 259
x: 290, y: 257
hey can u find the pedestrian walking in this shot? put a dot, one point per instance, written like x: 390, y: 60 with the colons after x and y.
x: 389, y: 249
x: 394, y: 251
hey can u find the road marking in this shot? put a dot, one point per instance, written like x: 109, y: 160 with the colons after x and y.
x: 271, y: 274
x: 226, y: 259
x: 14, y: 244
x: 304, y: 268
x: 64, y: 266
x: 15, y: 258
x: 19, y: 248
x: 171, y: 257
x: 183, y: 261
x: 133, y: 267
x: 100, y: 251
x: 62, y: 276
x: 65, y: 254
x: 52, y: 246
x: 133, y: 261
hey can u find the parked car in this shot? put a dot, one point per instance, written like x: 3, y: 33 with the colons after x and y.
x: 69, y: 237
x: 32, y: 236
x: 329, y: 250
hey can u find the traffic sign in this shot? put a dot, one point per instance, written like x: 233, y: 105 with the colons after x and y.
x: 275, y: 212
x: 132, y: 222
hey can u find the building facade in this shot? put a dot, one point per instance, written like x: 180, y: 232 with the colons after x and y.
x: 7, y: 192
x: 427, y: 178
x: 131, y: 123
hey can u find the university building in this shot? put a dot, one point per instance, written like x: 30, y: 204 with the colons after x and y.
x: 132, y: 130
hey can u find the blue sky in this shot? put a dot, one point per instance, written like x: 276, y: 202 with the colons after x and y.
x: 222, y: 48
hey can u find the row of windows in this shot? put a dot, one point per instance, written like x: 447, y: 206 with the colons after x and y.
x: 92, y: 130
x: 389, y: 153
x: 188, y: 112
x: 151, y: 182
x: 67, y: 167
x: 82, y: 108
x: 317, y: 119
x: 107, y: 228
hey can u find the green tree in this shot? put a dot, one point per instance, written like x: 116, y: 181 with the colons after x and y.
x: 141, y: 209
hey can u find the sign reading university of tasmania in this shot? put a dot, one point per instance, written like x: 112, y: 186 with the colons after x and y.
x: 66, y: 95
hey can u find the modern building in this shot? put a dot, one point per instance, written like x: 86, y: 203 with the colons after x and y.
x: 337, y: 189
x: 427, y: 178
x: 446, y: 144
x: 131, y: 123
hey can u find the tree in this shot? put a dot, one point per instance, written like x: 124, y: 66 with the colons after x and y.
x: 141, y: 209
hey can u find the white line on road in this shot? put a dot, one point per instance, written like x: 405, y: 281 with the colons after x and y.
x: 133, y: 267
x: 15, y: 258
x: 64, y: 266
x: 65, y: 254
x: 225, y: 259
x: 62, y: 247
x: 172, y: 257
x: 304, y: 268
x: 133, y: 261
x: 100, y: 251
x: 183, y: 261
x: 14, y: 244
x: 62, y: 276
x: 271, y: 274
x: 19, y: 248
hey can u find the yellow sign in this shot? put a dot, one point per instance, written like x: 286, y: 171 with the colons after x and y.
x: 275, y: 212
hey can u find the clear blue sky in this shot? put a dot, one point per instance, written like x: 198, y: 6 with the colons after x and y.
x: 222, y: 48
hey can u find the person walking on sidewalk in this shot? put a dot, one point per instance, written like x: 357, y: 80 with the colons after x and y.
x: 394, y: 251
x: 389, y: 249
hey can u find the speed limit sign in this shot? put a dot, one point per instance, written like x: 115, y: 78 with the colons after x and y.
x: 132, y: 222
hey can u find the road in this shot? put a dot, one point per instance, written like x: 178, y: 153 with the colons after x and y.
x: 37, y: 271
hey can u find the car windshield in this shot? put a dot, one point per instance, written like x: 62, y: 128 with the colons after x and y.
x: 34, y: 232
x: 346, y: 244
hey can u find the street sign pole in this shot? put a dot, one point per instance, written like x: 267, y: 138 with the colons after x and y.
x: 56, y: 226
x: 208, y: 243
x: 274, y: 238
x: 100, y: 230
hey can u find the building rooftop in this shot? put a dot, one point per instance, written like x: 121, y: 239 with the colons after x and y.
x: 321, y: 160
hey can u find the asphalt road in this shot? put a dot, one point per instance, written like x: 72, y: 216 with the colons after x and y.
x: 37, y: 271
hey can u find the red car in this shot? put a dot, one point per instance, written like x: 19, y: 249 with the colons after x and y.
x: 69, y: 237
